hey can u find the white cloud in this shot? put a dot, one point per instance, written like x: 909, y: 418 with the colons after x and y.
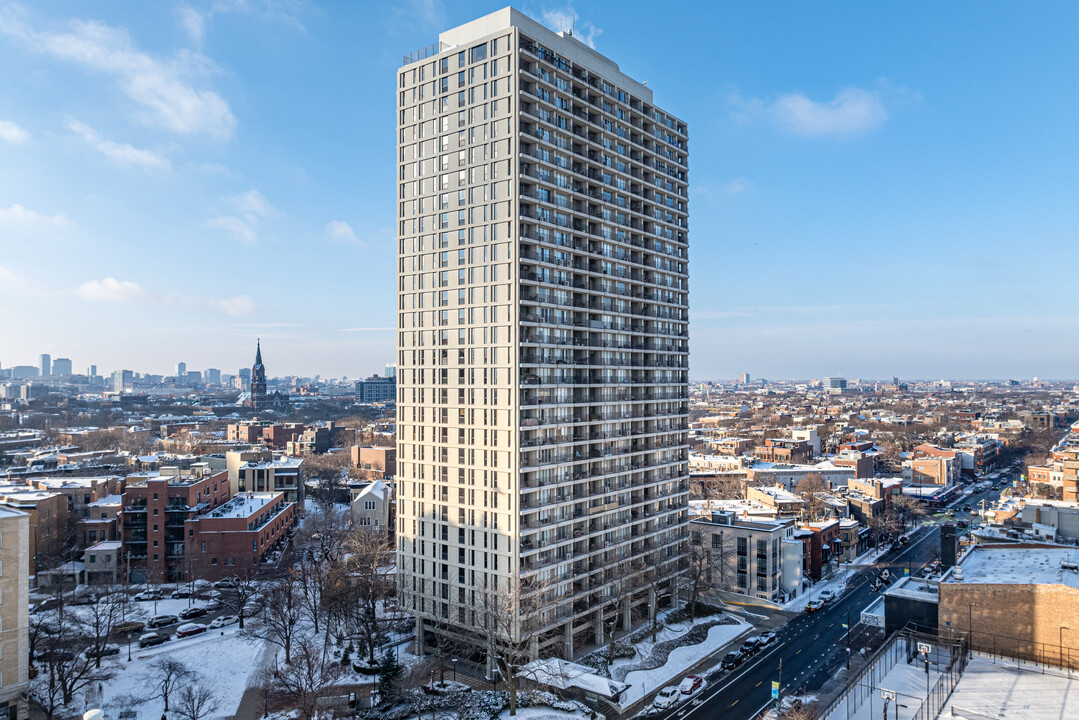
x: 23, y: 216
x: 239, y: 305
x: 738, y: 186
x: 160, y: 89
x: 121, y: 153
x: 193, y: 23
x: 567, y: 19
x: 251, y: 204
x: 112, y: 290
x: 853, y: 111
x: 341, y: 231
x: 12, y: 133
x: 236, y: 227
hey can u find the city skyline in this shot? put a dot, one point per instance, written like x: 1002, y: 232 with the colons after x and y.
x: 869, y: 213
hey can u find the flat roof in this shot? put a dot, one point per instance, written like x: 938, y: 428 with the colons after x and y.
x: 244, y: 505
x: 1017, y: 565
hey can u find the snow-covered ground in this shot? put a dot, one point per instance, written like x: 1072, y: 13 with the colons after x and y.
x: 837, y: 584
x: 224, y: 661
x: 1000, y: 689
x: 908, y: 682
x: 642, y: 682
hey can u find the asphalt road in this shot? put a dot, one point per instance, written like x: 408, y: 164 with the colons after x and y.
x: 811, y: 647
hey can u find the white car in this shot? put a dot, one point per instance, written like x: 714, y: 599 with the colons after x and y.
x: 222, y: 621
x: 827, y: 596
x: 667, y: 697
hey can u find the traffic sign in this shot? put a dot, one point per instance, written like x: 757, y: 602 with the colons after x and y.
x: 775, y: 690
x: 844, y: 625
x: 906, y: 572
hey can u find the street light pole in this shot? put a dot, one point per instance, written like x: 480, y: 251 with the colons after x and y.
x: 848, y: 638
x: 970, y: 628
x: 1062, y: 629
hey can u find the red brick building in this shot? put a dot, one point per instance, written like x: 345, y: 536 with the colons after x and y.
x: 153, y: 516
x: 785, y: 450
x: 238, y: 536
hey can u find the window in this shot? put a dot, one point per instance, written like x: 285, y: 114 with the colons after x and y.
x: 213, y: 561
x: 695, y: 537
x: 717, y: 540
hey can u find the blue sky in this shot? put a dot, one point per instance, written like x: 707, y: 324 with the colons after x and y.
x: 876, y: 188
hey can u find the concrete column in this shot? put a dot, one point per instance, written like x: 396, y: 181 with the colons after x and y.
x: 421, y: 641
x: 533, y: 647
x: 598, y: 625
x: 652, y: 609
x: 627, y: 614
x: 568, y: 642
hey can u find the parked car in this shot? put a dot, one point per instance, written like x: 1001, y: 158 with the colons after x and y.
x: 181, y: 593
x: 130, y: 626
x: 814, y: 605
x: 827, y: 596
x: 103, y: 651
x: 151, y: 638
x: 229, y: 582
x: 210, y: 594
x: 667, y: 697
x: 766, y: 638
x: 222, y: 621
x: 192, y: 612
x: 691, y: 684
x: 212, y: 605
x: 962, y: 524
x: 162, y: 621
x: 251, y: 607
x: 189, y: 629
x: 55, y: 656
x: 896, y: 545
x: 150, y: 595
x: 83, y: 598
x: 750, y: 646
x: 732, y: 660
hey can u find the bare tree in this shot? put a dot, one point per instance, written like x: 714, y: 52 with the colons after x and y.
x: 196, y: 701
x: 909, y: 509
x: 324, y: 532
x: 811, y: 487
x: 306, y: 679
x: 99, y: 620
x: 514, y: 615
x: 62, y: 645
x: 247, y: 589
x: 279, y: 621
x: 165, y: 676
x: 311, y: 577
x: 702, y: 562
x: 370, y: 559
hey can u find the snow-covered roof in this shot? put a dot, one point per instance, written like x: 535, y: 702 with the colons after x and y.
x: 1014, y: 565
x: 561, y: 674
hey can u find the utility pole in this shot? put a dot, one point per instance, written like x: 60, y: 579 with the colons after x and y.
x: 848, y: 638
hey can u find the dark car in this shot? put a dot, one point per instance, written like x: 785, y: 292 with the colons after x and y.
x: 732, y: 660
x: 150, y: 639
x: 129, y: 627
x: 192, y: 612
x: 966, y: 508
x: 162, y: 621
x: 749, y: 646
x: 104, y: 651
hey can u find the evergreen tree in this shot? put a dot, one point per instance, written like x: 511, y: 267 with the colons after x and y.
x: 389, y: 679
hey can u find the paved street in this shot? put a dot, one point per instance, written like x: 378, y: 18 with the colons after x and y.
x: 811, y: 646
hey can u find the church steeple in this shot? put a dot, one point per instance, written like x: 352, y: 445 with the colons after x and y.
x: 258, y: 378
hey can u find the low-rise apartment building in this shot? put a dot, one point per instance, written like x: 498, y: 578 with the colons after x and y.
x: 48, y: 522
x: 155, y: 510
x: 238, y: 537
x: 372, y: 505
x: 755, y: 557
x: 376, y: 461
x: 261, y: 471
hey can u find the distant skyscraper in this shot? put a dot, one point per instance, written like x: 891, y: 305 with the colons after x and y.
x: 245, y: 376
x: 543, y: 346
x: 391, y: 370
x: 122, y: 380
x: 93, y: 371
x: 45, y: 365
x: 835, y: 384
x: 61, y: 366
x: 213, y: 376
x: 181, y: 370
x: 743, y: 379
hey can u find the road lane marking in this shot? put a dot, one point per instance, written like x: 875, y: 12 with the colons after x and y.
x: 758, y: 684
x: 734, y: 703
x: 799, y: 651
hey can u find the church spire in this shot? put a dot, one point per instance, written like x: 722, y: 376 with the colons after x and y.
x: 258, y: 352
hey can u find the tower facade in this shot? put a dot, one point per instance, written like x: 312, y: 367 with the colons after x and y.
x: 258, y: 375
x: 543, y: 338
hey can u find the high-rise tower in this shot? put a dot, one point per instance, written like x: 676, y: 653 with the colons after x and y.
x: 542, y: 337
